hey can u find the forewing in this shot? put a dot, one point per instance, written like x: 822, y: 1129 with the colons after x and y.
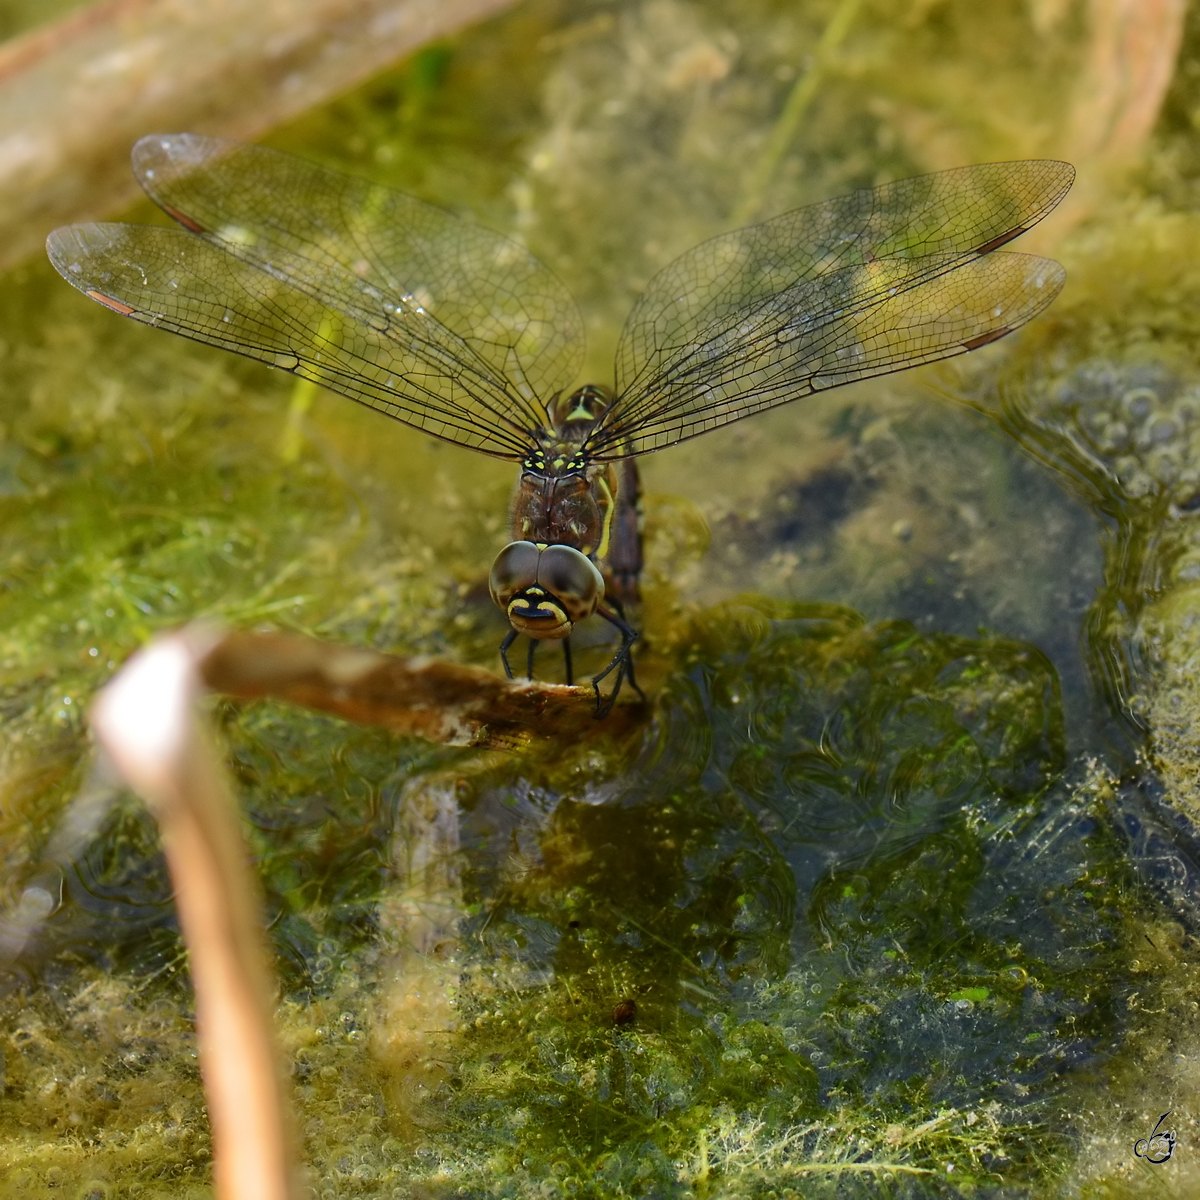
x: 176, y: 281
x: 774, y: 356
x: 376, y: 255
x: 759, y: 316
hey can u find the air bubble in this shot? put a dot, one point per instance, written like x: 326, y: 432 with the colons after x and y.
x: 1139, y: 403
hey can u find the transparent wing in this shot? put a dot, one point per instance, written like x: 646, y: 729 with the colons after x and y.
x: 379, y: 256
x: 176, y: 281
x: 861, y: 285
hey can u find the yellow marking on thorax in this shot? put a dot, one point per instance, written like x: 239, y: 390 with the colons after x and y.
x: 608, y: 503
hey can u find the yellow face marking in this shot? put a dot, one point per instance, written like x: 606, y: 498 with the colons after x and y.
x: 518, y: 612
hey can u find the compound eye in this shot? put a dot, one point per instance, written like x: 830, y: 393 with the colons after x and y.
x: 572, y: 579
x: 515, y: 568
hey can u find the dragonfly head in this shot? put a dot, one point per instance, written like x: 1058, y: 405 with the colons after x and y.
x: 572, y: 416
x: 545, y: 590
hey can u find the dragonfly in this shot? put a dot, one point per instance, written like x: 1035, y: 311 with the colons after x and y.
x: 459, y: 331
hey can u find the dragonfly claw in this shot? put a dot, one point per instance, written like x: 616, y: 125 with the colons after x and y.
x: 504, y: 645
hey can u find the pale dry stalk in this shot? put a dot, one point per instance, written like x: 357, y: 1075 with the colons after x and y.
x: 1133, y: 46
x: 147, y: 720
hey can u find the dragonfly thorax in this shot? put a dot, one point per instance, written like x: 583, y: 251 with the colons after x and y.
x: 545, y: 579
x: 563, y: 498
x: 567, y: 506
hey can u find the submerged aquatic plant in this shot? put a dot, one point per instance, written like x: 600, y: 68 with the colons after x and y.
x: 854, y: 915
x: 817, y: 884
x: 838, y: 883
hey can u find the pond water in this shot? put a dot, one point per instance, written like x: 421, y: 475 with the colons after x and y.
x: 896, y: 891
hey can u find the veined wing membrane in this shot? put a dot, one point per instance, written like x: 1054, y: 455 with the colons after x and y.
x: 779, y: 351
x: 176, y: 281
x: 374, y: 254
x: 923, y: 227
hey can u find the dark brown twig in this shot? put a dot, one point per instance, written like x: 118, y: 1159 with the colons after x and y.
x: 441, y: 701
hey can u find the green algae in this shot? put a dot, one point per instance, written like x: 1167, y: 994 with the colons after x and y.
x: 686, y: 891
x: 860, y: 912
x: 756, y: 1024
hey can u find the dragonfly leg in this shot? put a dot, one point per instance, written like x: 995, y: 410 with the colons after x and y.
x: 504, y: 645
x: 529, y: 661
x: 633, y: 683
x: 627, y: 669
x: 567, y: 660
x: 616, y: 606
x: 621, y: 663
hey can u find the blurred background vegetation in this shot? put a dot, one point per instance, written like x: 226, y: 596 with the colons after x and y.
x: 895, y: 894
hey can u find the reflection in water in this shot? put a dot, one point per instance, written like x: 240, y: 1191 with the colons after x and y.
x: 118, y: 910
x: 843, y: 869
x: 1122, y: 438
x: 841, y: 879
